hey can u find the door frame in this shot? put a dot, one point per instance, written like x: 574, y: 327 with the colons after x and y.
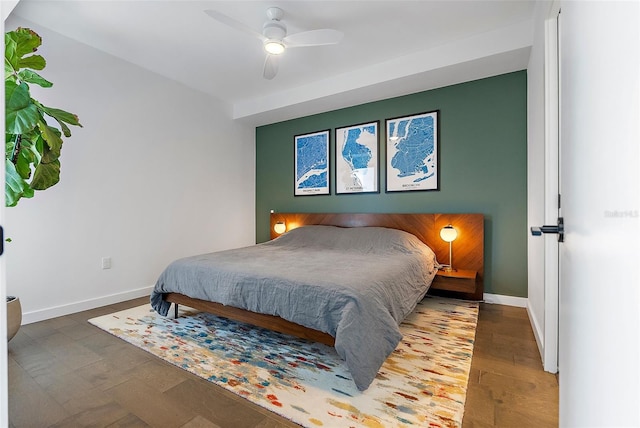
x: 551, y: 188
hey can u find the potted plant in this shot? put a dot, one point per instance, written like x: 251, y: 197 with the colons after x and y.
x: 14, y: 316
x: 33, y: 131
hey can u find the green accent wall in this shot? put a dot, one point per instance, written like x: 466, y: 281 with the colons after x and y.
x: 483, y: 168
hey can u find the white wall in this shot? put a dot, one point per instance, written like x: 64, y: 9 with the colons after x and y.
x: 158, y: 172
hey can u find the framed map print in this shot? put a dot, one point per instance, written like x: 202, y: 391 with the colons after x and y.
x: 312, y: 164
x: 357, y: 158
x: 412, y: 152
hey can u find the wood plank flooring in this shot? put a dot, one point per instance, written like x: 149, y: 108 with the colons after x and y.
x: 65, y: 372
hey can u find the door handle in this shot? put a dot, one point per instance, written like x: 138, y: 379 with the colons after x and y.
x: 559, y: 229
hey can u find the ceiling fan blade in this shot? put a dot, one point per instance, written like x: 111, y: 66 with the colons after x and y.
x: 227, y: 20
x: 271, y: 67
x: 314, y: 38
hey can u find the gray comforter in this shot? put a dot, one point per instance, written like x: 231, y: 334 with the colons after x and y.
x: 357, y: 284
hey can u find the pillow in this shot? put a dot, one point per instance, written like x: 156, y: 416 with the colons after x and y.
x: 376, y: 240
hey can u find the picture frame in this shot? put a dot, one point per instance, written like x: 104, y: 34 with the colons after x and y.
x: 311, y: 163
x: 412, y: 152
x: 357, y: 162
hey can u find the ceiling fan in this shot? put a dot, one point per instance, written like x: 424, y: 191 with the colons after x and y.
x: 275, y: 39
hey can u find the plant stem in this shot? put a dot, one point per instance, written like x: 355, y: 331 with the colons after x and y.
x: 16, y: 149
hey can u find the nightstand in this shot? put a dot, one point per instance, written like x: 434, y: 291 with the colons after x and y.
x: 457, y: 280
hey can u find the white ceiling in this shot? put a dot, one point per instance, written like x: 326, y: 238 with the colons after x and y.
x: 389, y: 48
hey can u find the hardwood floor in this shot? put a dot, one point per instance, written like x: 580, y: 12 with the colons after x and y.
x: 65, y: 372
x: 507, y: 385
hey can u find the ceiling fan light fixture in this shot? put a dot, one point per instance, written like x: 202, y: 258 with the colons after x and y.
x: 275, y: 39
x: 274, y: 47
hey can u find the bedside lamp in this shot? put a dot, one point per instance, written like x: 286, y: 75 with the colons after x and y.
x: 449, y: 234
x: 280, y: 227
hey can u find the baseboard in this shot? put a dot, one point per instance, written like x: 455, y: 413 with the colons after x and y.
x: 537, y: 330
x: 71, y: 308
x: 499, y: 299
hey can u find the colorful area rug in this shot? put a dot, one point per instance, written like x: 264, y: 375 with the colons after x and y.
x: 422, y: 384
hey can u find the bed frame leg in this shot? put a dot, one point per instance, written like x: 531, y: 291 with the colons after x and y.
x: 175, y: 308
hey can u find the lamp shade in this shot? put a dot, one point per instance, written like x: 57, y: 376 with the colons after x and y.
x: 448, y: 233
x: 280, y: 227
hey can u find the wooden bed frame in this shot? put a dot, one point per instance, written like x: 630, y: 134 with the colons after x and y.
x: 468, y: 253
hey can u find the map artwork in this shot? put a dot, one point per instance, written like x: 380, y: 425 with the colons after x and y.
x: 357, y: 158
x: 312, y: 164
x: 412, y: 153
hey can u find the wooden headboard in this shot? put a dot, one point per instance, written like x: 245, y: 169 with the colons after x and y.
x: 468, y: 248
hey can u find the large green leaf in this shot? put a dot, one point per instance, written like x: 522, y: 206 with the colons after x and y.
x: 32, y: 147
x: 23, y: 164
x: 61, y: 115
x: 10, y: 47
x: 18, y: 152
x: 35, y: 62
x: 15, y: 186
x: 65, y: 129
x: 25, y: 39
x: 9, y: 72
x: 46, y: 175
x: 21, y: 115
x: 52, y: 137
x: 19, y: 43
x: 33, y: 77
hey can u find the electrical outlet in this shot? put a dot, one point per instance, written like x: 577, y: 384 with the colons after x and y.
x: 106, y: 263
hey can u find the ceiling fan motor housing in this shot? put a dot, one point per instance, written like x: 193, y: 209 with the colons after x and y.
x: 275, y: 13
x: 274, y: 30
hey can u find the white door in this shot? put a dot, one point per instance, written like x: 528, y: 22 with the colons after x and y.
x: 599, y: 337
x: 4, y: 418
x: 5, y: 8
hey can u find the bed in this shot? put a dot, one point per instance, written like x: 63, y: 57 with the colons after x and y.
x: 347, y: 280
